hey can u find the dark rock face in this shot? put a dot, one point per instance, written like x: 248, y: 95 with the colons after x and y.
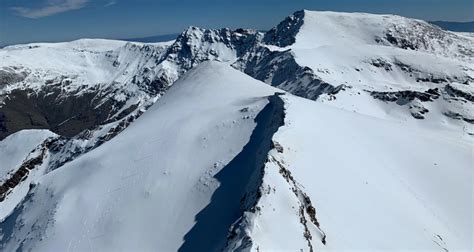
x: 400, y: 42
x: 417, y: 110
x: 284, y: 33
x: 10, y: 76
x: 403, y: 97
x: 381, y: 63
x: 48, y: 109
x: 454, y: 92
x: 413, y: 99
x: 188, y: 50
x: 279, y: 69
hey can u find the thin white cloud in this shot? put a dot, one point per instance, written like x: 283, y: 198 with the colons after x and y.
x: 110, y: 3
x: 51, y: 7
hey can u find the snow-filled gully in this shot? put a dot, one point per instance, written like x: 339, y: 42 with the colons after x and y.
x: 240, y: 181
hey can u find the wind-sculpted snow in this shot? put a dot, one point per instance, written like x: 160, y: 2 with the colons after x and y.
x: 142, y: 189
x: 24, y: 157
x: 193, y: 159
x: 239, y: 182
x: 342, y: 58
x: 315, y: 55
x: 70, y: 87
x: 114, y: 76
x: 176, y: 145
x: 361, y: 178
x: 14, y: 149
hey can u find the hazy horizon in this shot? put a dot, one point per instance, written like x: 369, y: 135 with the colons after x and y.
x: 28, y: 21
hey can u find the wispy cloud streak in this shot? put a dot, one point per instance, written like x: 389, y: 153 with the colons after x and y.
x: 110, y: 3
x: 51, y: 7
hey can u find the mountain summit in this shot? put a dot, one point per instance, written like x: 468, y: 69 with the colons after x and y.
x: 331, y: 131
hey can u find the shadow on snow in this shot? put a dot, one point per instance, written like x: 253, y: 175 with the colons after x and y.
x: 243, y: 174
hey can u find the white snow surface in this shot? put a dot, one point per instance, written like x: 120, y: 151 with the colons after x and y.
x: 375, y: 184
x: 142, y: 189
x: 14, y: 150
x: 80, y: 65
x: 16, y: 147
x: 378, y: 178
x: 341, y: 49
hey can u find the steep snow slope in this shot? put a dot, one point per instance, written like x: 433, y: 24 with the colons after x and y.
x: 20, y: 166
x: 389, y: 72
x: 374, y: 184
x: 85, y: 61
x: 142, y: 189
x: 88, y: 91
x: 181, y: 174
x: 95, y: 82
x: 15, y: 148
x: 69, y: 87
x: 381, y: 65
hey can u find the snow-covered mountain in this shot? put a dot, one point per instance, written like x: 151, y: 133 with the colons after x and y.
x: 22, y: 155
x: 360, y: 62
x: 344, y: 59
x: 198, y: 163
x: 332, y: 131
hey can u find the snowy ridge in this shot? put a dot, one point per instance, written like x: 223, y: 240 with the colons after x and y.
x: 143, y: 173
x: 358, y: 185
x: 182, y: 146
x: 16, y: 147
x: 92, y: 81
x: 117, y: 76
x: 23, y: 156
x: 378, y: 65
x: 305, y: 30
x: 133, y: 183
x: 344, y: 59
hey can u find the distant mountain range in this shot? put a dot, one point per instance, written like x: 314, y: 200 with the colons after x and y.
x: 446, y: 25
x: 455, y: 26
x: 157, y: 38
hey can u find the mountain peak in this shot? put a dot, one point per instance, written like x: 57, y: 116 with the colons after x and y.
x: 312, y: 29
x: 285, y: 32
x: 189, y: 145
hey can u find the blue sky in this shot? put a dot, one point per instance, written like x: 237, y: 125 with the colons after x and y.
x: 61, y: 20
